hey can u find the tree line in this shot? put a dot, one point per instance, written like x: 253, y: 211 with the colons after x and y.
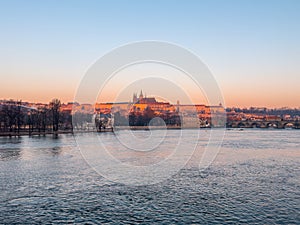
x: 145, y: 117
x: 15, y: 118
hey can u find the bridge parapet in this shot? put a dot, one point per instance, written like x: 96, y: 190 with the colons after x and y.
x: 278, y: 124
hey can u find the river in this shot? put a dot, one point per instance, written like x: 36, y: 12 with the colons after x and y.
x: 255, y: 179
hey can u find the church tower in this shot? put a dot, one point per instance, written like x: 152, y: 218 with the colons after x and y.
x: 134, y: 98
x: 141, y: 95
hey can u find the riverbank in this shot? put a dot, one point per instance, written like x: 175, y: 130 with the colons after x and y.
x: 36, y: 133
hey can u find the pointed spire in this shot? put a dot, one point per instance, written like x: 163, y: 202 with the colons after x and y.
x: 141, y: 94
x: 134, y: 98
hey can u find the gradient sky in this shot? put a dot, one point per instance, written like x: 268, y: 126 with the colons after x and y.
x: 251, y: 47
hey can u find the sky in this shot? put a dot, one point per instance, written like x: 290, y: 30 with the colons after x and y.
x: 251, y: 47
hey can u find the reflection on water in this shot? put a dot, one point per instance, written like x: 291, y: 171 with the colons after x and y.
x: 255, y: 179
x: 28, y: 148
x: 9, y: 154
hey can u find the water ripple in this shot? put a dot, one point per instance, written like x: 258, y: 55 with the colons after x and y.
x: 52, y: 184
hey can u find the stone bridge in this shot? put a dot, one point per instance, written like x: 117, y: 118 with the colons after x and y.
x: 279, y: 124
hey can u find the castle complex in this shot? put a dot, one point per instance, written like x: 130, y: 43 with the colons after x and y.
x: 140, y: 105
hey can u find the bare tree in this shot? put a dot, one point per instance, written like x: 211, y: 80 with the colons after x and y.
x: 55, y: 105
x: 19, y: 116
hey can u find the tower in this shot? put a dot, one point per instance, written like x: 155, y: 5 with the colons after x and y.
x: 178, y: 104
x: 141, y: 95
x: 134, y: 98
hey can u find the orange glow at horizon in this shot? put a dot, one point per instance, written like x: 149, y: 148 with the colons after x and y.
x: 232, y: 98
x: 269, y: 95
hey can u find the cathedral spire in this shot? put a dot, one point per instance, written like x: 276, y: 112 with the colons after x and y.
x: 141, y: 95
x: 134, y: 98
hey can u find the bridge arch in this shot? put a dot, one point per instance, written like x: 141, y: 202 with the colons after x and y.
x: 241, y: 125
x: 255, y: 125
x: 229, y: 125
x: 272, y: 125
x: 288, y: 125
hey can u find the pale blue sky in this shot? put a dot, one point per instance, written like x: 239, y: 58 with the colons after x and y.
x: 252, y: 47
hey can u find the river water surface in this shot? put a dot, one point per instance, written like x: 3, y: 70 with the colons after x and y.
x: 255, y: 179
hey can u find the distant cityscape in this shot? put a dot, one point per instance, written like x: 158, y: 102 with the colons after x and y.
x: 17, y: 117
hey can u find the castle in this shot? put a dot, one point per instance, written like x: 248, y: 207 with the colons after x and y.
x: 143, y: 100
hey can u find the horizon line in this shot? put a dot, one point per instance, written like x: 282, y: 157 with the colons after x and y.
x: 72, y: 102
